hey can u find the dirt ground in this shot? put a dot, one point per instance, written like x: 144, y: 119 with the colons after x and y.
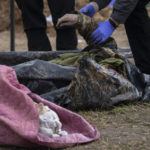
x: 125, y: 127
x: 21, y: 41
x: 20, y: 37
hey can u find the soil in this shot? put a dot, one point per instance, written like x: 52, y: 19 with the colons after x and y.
x: 125, y: 127
x: 21, y: 41
x: 122, y: 128
x: 20, y: 37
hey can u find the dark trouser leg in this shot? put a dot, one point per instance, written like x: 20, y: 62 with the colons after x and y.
x: 34, y: 24
x: 66, y: 38
x: 138, y: 32
x: 38, y: 40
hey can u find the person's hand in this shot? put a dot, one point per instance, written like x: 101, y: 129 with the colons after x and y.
x: 67, y: 20
x: 111, y: 3
x: 88, y: 10
x: 102, y: 33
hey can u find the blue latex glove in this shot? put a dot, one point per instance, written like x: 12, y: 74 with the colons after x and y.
x: 102, y: 33
x: 88, y: 10
x: 111, y: 3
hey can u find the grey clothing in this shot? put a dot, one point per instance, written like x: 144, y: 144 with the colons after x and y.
x: 122, y: 8
x: 133, y: 14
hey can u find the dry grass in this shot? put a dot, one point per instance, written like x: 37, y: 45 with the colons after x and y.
x: 5, y: 13
x: 125, y: 127
x: 21, y: 42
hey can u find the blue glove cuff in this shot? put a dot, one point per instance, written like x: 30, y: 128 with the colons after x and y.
x: 111, y: 3
x: 88, y: 10
x: 110, y: 25
x: 92, y: 10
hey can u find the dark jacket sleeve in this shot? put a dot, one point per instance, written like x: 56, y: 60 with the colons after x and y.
x: 101, y: 3
x: 121, y: 10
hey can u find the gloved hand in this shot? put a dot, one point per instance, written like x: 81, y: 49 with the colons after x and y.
x: 111, y: 3
x: 88, y: 10
x: 102, y: 33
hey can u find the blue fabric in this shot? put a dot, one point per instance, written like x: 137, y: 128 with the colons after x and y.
x: 88, y: 10
x: 102, y: 33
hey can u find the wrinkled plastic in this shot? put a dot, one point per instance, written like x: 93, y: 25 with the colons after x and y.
x: 42, y: 77
x: 58, y: 96
x: 40, y: 86
x: 135, y: 76
x: 39, y: 69
x: 51, y: 82
x: 14, y: 58
x: 95, y: 86
x: 125, y: 52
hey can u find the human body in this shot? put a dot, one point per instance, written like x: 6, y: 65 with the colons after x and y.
x: 133, y: 14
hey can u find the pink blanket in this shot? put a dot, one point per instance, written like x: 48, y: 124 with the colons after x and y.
x: 19, y: 122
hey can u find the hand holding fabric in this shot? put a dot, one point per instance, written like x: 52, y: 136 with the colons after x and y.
x: 88, y: 10
x: 102, y: 33
x: 67, y: 20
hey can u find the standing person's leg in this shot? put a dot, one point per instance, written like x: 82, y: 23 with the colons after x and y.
x: 66, y: 39
x: 34, y: 24
x: 138, y: 32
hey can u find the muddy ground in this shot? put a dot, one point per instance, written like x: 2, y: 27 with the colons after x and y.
x: 125, y: 127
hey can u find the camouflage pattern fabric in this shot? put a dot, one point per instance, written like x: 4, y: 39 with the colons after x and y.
x: 114, y: 63
x: 86, y: 26
x: 95, y: 86
x: 103, y: 56
x: 70, y: 59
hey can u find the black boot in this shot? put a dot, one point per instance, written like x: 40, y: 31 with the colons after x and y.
x: 146, y: 92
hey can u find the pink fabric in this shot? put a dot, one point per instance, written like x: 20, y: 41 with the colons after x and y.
x: 19, y: 122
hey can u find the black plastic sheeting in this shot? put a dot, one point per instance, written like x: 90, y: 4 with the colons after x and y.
x: 14, y: 58
x: 125, y: 52
x: 73, y: 87
x: 135, y: 76
x: 39, y: 69
x: 42, y: 77
x: 59, y: 96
